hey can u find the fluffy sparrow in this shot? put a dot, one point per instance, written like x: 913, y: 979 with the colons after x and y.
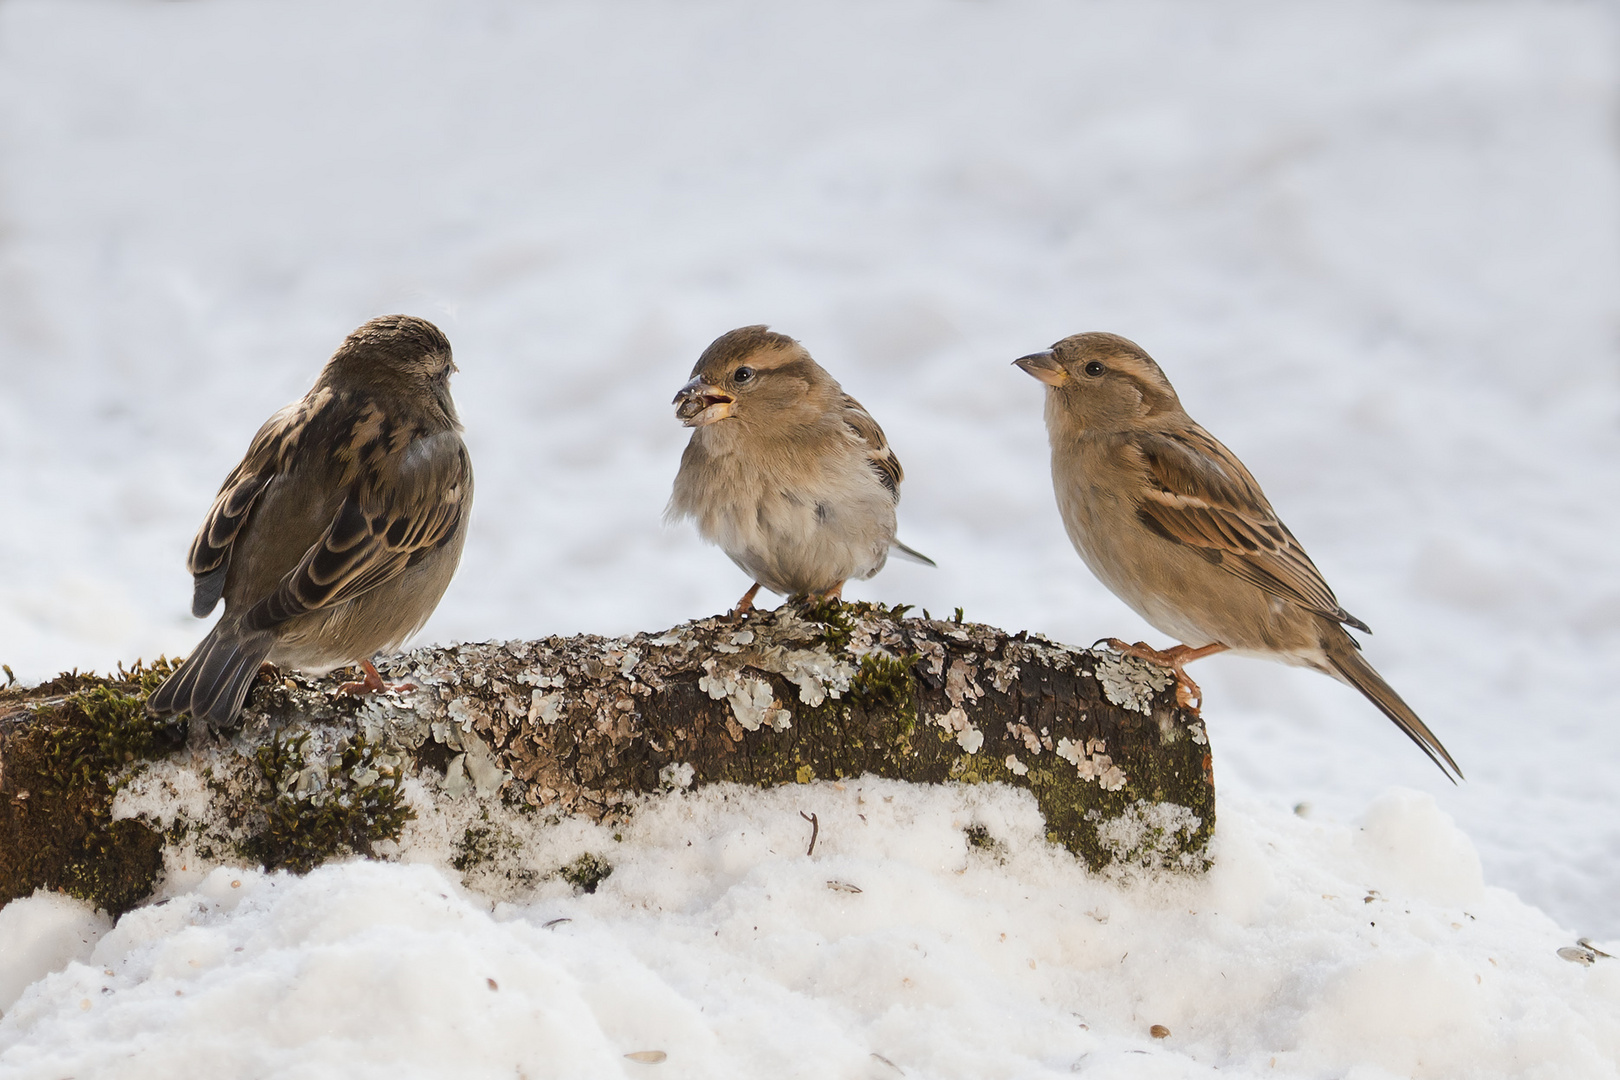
x: 335, y: 537
x: 784, y: 471
x: 1172, y: 522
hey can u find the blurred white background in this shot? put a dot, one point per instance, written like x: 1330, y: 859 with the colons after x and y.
x: 1376, y: 247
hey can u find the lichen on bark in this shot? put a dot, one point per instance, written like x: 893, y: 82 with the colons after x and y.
x: 591, y: 725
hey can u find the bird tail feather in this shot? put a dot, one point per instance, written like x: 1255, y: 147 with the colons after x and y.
x: 213, y: 682
x: 911, y: 553
x: 1344, y: 656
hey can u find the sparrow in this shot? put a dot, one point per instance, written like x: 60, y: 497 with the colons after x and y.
x: 1171, y: 521
x: 335, y: 537
x: 785, y: 472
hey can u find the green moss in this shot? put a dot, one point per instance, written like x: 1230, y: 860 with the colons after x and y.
x: 485, y: 842
x: 883, y: 682
x: 586, y: 872
x: 64, y: 770
x: 476, y: 847
x: 102, y: 730
x: 357, y: 805
x: 837, y: 623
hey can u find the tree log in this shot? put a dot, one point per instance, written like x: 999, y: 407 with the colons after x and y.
x: 92, y: 790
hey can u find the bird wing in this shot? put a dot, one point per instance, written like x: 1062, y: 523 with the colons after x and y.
x: 1196, y: 492
x: 210, y: 555
x: 390, y: 519
x: 878, y: 454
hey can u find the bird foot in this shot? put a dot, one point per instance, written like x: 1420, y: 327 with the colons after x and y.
x: 834, y: 595
x: 745, y: 605
x: 1188, y: 693
x: 373, y: 684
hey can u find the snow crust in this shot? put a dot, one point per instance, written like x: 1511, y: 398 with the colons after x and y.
x: 1376, y: 247
x: 898, y: 948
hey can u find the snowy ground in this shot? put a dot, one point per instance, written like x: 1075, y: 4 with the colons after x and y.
x: 1310, y: 950
x: 1376, y: 246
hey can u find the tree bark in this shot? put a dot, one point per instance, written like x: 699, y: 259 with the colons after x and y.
x: 591, y: 725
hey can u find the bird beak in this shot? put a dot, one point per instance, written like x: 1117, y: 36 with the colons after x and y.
x: 1044, y: 366
x: 697, y: 404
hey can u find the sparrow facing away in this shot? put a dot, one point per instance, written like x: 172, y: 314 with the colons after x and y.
x: 784, y: 471
x: 1171, y: 521
x: 335, y: 537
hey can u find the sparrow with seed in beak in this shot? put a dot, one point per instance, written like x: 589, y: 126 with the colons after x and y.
x: 785, y: 472
x: 1171, y: 521
x: 334, y: 538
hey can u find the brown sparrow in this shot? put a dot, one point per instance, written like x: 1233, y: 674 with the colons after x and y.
x: 1172, y: 522
x: 335, y: 537
x: 784, y: 471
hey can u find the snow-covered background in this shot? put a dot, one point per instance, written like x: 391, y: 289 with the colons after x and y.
x: 1376, y: 246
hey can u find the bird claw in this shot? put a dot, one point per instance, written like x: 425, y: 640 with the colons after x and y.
x: 1188, y: 694
x: 373, y: 684
x: 745, y: 605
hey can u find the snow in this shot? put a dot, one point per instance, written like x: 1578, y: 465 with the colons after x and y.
x: 1376, y: 246
x: 898, y: 947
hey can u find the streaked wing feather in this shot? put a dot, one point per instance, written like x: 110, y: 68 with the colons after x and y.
x: 879, y: 456
x: 1200, y: 495
x: 209, y: 557
x: 381, y: 528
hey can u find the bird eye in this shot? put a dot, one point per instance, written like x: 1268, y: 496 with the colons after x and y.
x: 742, y: 374
x: 1095, y: 368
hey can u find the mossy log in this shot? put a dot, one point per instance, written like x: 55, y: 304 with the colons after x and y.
x: 591, y: 725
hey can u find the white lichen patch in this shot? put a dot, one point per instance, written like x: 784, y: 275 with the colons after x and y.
x: 959, y: 683
x: 482, y: 768
x: 545, y: 708
x: 1152, y: 836
x: 1016, y: 767
x: 1003, y: 673
x: 968, y: 737
x: 1092, y: 762
x: 934, y: 653
x: 1131, y: 683
x: 817, y: 674
x: 474, y: 769
x: 752, y: 701
x: 754, y: 705
x: 1026, y: 735
x: 677, y: 774
x: 467, y: 712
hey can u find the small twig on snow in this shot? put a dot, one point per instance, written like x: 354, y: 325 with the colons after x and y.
x: 815, y: 831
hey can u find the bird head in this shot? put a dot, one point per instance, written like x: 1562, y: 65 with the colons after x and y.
x: 756, y: 377
x: 403, y: 351
x: 1098, y: 380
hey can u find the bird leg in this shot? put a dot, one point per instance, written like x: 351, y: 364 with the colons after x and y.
x: 372, y: 683
x: 1188, y: 694
x: 834, y: 593
x: 746, y: 604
